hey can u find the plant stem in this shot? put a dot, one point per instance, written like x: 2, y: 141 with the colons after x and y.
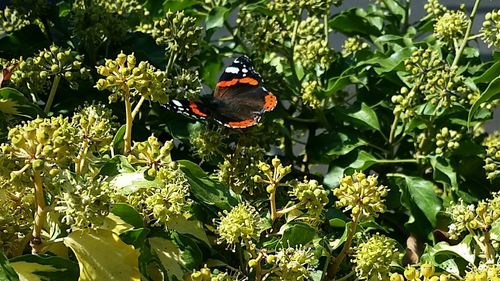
x: 36, y: 240
x: 137, y: 107
x: 52, y: 94
x: 325, y: 23
x: 393, y: 128
x: 80, y: 160
x: 488, y: 251
x: 128, y: 126
x: 287, y: 210
x: 390, y: 161
x: 334, y: 267
x: 466, y: 36
x: 272, y: 202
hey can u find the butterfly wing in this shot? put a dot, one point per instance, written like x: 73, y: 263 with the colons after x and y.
x: 240, y: 98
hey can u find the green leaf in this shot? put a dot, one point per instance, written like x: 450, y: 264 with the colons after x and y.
x: 176, y: 5
x: 491, y: 93
x: 336, y: 84
x: 117, y: 165
x: 92, y: 250
x: 205, y: 189
x: 387, y: 64
x: 23, y: 42
x: 7, y: 273
x: 330, y: 144
x: 33, y: 267
x: 495, y: 230
x: 490, y: 74
x: 15, y: 103
x: 294, y: 234
x: 216, y: 17
x: 135, y: 237
x: 170, y: 256
x: 128, y: 214
x: 443, y: 171
x: 188, y: 227
x: 351, y: 22
x: 364, y: 160
x: 463, y: 249
x: 366, y: 115
x: 117, y: 143
x: 128, y: 183
x: 421, y: 193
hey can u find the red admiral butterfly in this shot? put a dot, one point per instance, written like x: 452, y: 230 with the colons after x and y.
x: 239, y: 98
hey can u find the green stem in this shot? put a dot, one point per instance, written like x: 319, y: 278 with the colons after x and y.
x: 334, y: 267
x: 391, y: 161
x: 137, y: 107
x: 52, y: 94
x: 272, y: 202
x: 287, y: 210
x: 466, y: 36
x: 325, y: 23
x: 80, y: 160
x: 236, y: 38
x: 36, y: 240
x: 128, y: 126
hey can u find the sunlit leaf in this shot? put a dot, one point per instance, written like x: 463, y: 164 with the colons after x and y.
x: 33, y: 268
x: 98, y: 264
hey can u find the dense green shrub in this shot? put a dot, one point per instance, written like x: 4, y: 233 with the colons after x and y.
x: 374, y: 165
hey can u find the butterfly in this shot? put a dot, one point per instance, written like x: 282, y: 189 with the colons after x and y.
x: 239, y: 99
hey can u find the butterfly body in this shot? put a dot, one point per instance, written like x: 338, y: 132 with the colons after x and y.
x: 239, y: 98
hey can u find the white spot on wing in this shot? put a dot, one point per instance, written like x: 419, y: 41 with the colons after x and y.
x: 232, y: 69
x: 177, y: 103
x: 244, y: 70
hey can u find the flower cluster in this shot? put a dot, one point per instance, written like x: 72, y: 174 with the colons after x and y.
x: 434, y: 8
x: 272, y: 176
x: 293, y: 263
x: 16, y: 216
x: 33, y: 74
x: 96, y: 126
x: 373, y: 257
x: 239, y: 167
x: 43, y: 144
x: 93, y: 25
x: 83, y: 202
x: 352, y: 45
x: 362, y: 195
x: 262, y: 32
x: 471, y: 218
x: 311, y: 195
x: 311, y: 47
x: 179, y: 34
x: 447, y: 140
x: 206, y: 143
x: 450, y: 26
x: 123, y: 7
x: 11, y: 20
x: 309, y: 93
x: 168, y: 195
x: 206, y: 274
x: 125, y: 78
x: 490, y: 31
x: 426, y: 272
x: 239, y: 226
x: 152, y: 154
x: 484, y: 272
x: 492, y: 157
x: 186, y: 85
x: 404, y: 103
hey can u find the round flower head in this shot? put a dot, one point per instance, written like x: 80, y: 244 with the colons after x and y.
x: 352, y: 45
x: 309, y: 93
x: 451, y: 26
x: 294, y: 263
x: 492, y: 157
x: 491, y: 29
x: 362, y: 195
x: 11, y: 20
x: 373, y: 257
x: 240, y: 225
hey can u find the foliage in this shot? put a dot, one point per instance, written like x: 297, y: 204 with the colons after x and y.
x: 375, y: 165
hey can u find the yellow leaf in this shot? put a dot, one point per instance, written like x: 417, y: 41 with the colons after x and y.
x: 116, y: 224
x: 102, y: 256
x: 170, y: 256
x: 185, y: 226
x: 8, y: 106
x: 27, y: 270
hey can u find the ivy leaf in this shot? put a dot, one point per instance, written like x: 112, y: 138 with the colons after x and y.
x: 216, y: 17
x: 117, y: 143
x: 128, y: 214
x: 33, y: 267
x: 205, y: 189
x: 7, y: 273
x: 117, y: 165
x: 352, y: 22
x: 443, y: 171
x: 294, y: 234
x: 188, y: 227
x: 366, y: 115
x: 491, y: 93
x: 462, y: 250
x: 488, y: 75
x: 94, y: 260
x: 421, y: 193
x: 15, y: 103
x: 128, y: 183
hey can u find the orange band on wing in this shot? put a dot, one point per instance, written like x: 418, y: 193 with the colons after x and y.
x: 242, y: 124
x: 270, y: 102
x: 196, y: 110
x: 232, y: 82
